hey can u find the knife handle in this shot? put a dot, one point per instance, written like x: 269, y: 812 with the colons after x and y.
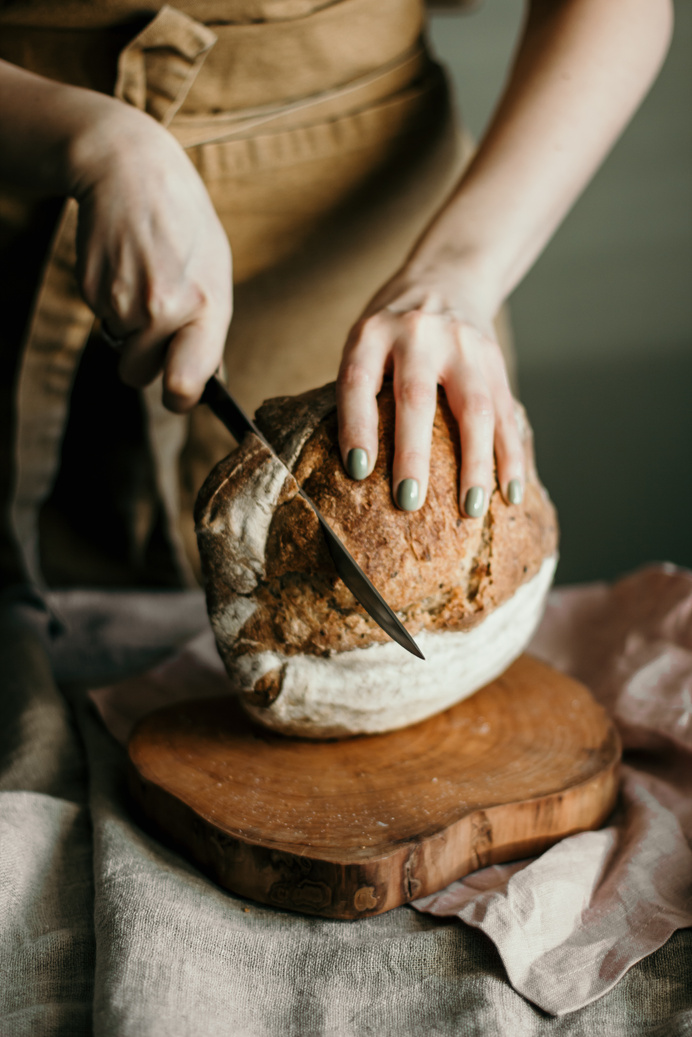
x: 231, y: 414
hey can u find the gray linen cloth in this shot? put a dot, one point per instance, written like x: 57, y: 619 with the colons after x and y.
x: 104, y: 931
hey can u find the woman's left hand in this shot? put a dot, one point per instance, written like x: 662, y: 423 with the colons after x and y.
x: 580, y: 69
x: 423, y: 332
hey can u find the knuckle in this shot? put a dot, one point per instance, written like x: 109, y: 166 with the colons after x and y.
x: 181, y: 385
x: 515, y: 461
x: 508, y: 440
x: 354, y: 375
x: 506, y: 424
x: 365, y: 328
x: 412, y: 460
x: 509, y: 448
x: 120, y: 298
x: 478, y: 468
x: 510, y: 461
x: 496, y: 368
x: 479, y: 406
x: 416, y: 393
x: 161, y: 303
x: 199, y: 298
x: 356, y: 432
x: 473, y: 346
x: 372, y: 321
x: 413, y: 319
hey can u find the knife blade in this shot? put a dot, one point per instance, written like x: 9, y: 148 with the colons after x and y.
x: 219, y: 400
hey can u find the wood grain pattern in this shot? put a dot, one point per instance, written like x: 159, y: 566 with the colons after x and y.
x: 356, y: 827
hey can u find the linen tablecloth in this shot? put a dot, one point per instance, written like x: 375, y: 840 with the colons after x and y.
x: 103, y: 930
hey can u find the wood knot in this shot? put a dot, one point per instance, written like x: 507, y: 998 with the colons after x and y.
x: 481, y: 838
x: 364, y: 898
x: 305, y: 896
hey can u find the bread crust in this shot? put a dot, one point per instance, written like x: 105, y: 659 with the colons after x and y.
x: 437, y: 569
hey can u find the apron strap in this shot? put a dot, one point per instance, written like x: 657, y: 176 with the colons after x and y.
x: 158, y: 67
x: 155, y: 72
x: 192, y: 131
x: 57, y: 333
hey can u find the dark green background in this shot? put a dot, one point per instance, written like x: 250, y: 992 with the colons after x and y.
x: 603, y: 323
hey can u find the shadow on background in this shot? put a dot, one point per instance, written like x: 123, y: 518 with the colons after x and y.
x: 603, y: 322
x: 614, y: 448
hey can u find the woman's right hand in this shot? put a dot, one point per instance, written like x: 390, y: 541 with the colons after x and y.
x: 154, y: 263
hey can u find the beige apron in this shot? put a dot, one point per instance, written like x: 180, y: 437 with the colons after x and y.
x: 325, y: 138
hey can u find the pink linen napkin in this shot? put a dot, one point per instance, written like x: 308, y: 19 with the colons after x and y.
x: 195, y: 672
x: 570, y: 923
x: 567, y: 924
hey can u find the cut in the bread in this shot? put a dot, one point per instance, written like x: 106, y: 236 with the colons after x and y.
x: 306, y: 658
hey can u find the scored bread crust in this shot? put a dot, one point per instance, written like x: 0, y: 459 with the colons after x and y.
x: 272, y: 591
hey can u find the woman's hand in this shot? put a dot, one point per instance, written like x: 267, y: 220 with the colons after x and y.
x: 580, y: 70
x: 424, y: 333
x: 153, y: 259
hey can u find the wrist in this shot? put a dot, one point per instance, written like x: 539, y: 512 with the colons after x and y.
x: 467, y: 277
x: 102, y: 129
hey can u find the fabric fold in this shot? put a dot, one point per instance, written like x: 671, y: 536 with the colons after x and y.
x: 569, y: 924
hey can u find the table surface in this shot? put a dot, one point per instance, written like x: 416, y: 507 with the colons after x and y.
x: 106, y: 931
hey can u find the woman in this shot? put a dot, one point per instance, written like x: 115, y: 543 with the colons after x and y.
x: 318, y: 140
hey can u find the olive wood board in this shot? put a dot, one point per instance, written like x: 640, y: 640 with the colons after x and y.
x: 351, y: 828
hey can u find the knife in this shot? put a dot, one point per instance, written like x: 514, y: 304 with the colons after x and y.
x: 221, y: 403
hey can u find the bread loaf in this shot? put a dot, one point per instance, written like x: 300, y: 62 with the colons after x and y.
x: 305, y: 657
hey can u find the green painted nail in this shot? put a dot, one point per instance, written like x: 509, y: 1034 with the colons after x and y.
x: 515, y: 491
x: 357, y: 463
x: 407, y: 494
x: 475, y: 499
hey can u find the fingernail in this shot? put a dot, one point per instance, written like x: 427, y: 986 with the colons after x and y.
x: 357, y: 463
x: 515, y: 491
x: 407, y: 494
x: 475, y: 499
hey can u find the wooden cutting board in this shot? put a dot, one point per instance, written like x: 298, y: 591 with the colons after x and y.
x: 352, y: 828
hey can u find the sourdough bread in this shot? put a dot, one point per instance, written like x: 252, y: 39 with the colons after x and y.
x: 304, y: 655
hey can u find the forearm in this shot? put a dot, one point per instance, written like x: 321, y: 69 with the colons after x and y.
x: 38, y: 118
x: 52, y: 133
x: 581, y: 69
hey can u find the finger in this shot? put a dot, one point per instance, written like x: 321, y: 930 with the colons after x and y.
x: 148, y: 325
x: 357, y: 386
x: 141, y: 359
x: 415, y: 394
x: 193, y: 355
x: 509, y: 451
x: 140, y: 338
x: 472, y: 405
x: 146, y: 351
